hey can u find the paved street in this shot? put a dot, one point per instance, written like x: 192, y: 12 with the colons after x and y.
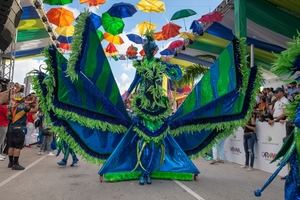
x: 43, y: 180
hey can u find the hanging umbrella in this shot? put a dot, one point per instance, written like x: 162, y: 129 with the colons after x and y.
x: 176, y: 44
x: 211, y: 17
x: 131, y: 52
x: 111, y: 24
x: 167, y: 52
x: 64, y: 39
x: 183, y: 14
x: 142, y: 52
x: 93, y: 2
x: 145, y: 26
x: 187, y: 35
x: 114, y: 39
x: 170, y: 30
x: 57, y: 2
x: 65, y: 46
x: 60, y: 17
x: 100, y: 35
x: 159, y: 36
x: 65, y: 31
x: 135, y: 38
x: 197, y: 27
x: 122, y: 10
x: 96, y: 20
x: 111, y: 49
x: 151, y: 6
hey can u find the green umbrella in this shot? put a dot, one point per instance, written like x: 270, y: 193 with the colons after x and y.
x: 112, y: 25
x: 57, y: 2
x: 183, y: 13
x: 100, y: 35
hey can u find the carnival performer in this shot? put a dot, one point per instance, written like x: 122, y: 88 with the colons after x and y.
x: 63, y: 147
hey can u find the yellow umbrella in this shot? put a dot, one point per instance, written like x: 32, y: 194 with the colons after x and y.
x: 145, y: 26
x: 151, y: 6
x: 115, y: 39
x: 187, y: 35
x: 65, y: 31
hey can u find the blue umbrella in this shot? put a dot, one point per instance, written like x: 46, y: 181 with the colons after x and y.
x: 122, y: 10
x: 96, y: 20
x: 167, y: 52
x: 135, y: 38
x: 64, y: 39
x: 197, y: 27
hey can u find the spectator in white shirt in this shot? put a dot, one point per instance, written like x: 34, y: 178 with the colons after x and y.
x: 279, y: 106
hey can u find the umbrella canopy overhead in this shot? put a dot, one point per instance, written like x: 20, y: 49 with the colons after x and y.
x: 159, y: 36
x: 170, y: 30
x: 132, y: 52
x: 167, y: 52
x: 211, y: 17
x: 197, y: 27
x: 151, y: 6
x: 111, y: 24
x: 63, y: 39
x: 64, y: 46
x: 111, y: 49
x: 60, y: 17
x: 93, y: 2
x: 100, y: 35
x: 176, y: 44
x: 122, y: 10
x: 183, y: 14
x: 65, y: 31
x: 135, y: 38
x: 57, y: 2
x: 145, y: 26
x: 114, y: 39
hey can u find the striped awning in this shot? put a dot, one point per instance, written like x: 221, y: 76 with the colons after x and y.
x: 32, y: 34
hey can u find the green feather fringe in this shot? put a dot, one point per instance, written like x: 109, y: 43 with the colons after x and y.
x: 77, y: 45
x: 148, y: 139
x: 285, y: 60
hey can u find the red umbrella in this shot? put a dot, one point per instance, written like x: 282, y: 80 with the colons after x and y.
x: 65, y: 46
x: 211, y: 17
x: 170, y: 30
x: 176, y: 44
x: 111, y: 49
x: 142, y: 52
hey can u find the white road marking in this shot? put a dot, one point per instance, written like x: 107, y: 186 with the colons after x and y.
x: 189, y: 190
x: 21, y: 172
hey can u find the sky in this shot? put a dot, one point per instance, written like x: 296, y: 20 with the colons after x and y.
x: 123, y: 70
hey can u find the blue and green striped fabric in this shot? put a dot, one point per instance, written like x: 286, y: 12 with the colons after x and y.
x: 218, y: 81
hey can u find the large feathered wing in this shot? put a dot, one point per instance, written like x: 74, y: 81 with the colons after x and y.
x: 80, y: 97
x: 220, y: 102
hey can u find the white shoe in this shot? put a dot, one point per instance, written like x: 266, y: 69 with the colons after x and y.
x: 2, y: 159
x: 51, y: 154
x: 244, y: 166
x: 2, y: 156
x: 40, y: 153
x: 250, y: 169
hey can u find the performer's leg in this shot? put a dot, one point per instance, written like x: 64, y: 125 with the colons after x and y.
x: 64, y: 161
x: 74, y: 158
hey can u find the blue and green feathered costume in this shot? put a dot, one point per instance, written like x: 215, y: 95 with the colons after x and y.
x: 83, y: 104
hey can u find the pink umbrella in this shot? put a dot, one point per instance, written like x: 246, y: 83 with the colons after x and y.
x: 211, y: 17
x: 176, y: 44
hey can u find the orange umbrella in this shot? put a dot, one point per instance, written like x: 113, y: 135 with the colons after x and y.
x: 115, y: 39
x: 60, y: 17
x: 159, y: 36
x: 93, y: 2
x: 170, y: 30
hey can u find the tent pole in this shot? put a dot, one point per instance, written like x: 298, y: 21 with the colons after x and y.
x: 240, y: 18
